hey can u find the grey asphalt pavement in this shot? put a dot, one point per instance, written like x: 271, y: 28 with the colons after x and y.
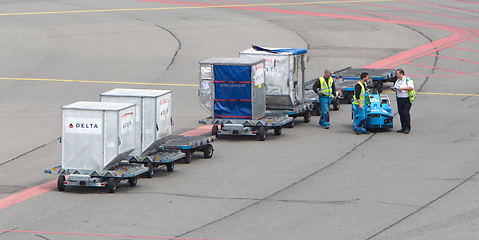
x: 307, y: 183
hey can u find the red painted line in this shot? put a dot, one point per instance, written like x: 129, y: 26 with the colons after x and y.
x: 475, y: 40
x: 443, y: 75
x: 232, y: 100
x: 456, y: 59
x: 199, y: 131
x: 102, y: 235
x: 428, y: 13
x: 438, y: 6
x: 227, y: 116
x: 467, y: 1
x: 465, y: 49
x: 419, y: 51
x: 27, y: 194
x: 420, y: 65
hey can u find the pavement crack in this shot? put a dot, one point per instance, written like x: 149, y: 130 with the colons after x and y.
x: 435, y: 58
x: 178, y: 47
x: 28, y: 152
x: 422, y: 207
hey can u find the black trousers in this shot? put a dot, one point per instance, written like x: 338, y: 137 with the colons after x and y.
x: 403, y: 109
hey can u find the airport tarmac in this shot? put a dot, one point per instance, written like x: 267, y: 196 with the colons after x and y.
x: 307, y: 183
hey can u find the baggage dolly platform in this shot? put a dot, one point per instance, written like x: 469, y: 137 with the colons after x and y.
x: 98, y: 178
x: 300, y: 110
x: 173, y: 148
x: 259, y: 127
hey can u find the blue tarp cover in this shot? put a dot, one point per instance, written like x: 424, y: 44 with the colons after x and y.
x: 237, y: 87
x: 233, y: 110
x: 281, y: 50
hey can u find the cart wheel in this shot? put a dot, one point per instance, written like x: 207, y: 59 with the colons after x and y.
x: 188, y: 156
x: 151, y: 170
x: 277, y: 130
x: 307, y: 116
x: 208, y: 151
x: 170, y: 166
x: 61, y: 183
x: 132, y: 181
x: 214, y: 130
x: 111, y: 185
x: 261, y: 134
x: 336, y: 104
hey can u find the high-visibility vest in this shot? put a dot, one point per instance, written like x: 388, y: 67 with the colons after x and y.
x: 412, y: 93
x: 326, y: 87
x: 362, y: 95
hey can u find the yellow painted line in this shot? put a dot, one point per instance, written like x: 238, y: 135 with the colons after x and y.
x: 191, y: 7
x: 443, y: 94
x: 188, y: 85
x: 108, y: 82
x: 448, y: 94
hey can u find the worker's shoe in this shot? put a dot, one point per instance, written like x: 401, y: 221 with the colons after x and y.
x: 402, y: 130
x: 406, y: 131
x: 366, y: 132
x: 357, y: 132
x: 326, y: 127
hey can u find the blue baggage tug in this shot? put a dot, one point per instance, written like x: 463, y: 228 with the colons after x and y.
x: 379, y: 114
x: 232, y: 90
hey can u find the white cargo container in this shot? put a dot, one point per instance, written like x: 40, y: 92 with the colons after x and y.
x: 96, y: 135
x: 153, y: 118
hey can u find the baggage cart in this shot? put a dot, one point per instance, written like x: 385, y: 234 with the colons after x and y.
x: 284, y: 80
x: 172, y: 149
x: 153, y: 118
x: 157, y: 147
x: 109, y: 177
x: 96, y: 137
x: 232, y: 91
x: 348, y: 77
x: 259, y: 127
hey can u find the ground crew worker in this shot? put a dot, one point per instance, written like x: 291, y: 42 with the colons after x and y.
x: 405, y: 95
x: 325, y: 88
x: 360, y: 104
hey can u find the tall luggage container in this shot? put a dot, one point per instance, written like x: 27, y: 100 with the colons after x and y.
x: 232, y: 88
x: 284, y: 70
x: 96, y: 135
x: 153, y: 118
x: 284, y: 79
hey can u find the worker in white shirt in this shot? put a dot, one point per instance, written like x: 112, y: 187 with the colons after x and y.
x: 405, y: 95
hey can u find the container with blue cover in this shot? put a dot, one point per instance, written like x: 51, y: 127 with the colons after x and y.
x: 233, y: 92
x: 233, y: 88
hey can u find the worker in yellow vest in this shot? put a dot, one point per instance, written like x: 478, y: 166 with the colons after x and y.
x: 360, y: 104
x: 325, y: 88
